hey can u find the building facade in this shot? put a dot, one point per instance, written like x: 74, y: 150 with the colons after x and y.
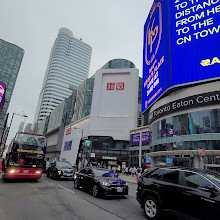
x: 10, y: 61
x: 104, y: 135
x: 68, y: 66
x: 186, y: 120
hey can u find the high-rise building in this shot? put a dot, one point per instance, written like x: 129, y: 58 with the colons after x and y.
x: 21, y: 127
x: 10, y: 61
x: 28, y: 128
x: 68, y: 66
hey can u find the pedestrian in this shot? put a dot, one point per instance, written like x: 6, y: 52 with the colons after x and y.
x: 133, y: 171
x: 126, y: 171
x: 130, y: 169
x: 47, y: 163
x: 109, y: 167
x: 118, y: 170
x: 114, y: 168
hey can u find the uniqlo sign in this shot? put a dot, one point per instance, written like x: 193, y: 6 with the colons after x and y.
x: 111, y: 86
x: 120, y: 86
x: 68, y: 131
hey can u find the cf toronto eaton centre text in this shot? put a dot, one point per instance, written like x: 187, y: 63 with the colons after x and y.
x: 195, y: 101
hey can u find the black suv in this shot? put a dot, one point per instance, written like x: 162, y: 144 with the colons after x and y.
x: 183, y: 191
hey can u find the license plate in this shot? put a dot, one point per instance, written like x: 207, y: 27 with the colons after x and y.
x: 26, y: 171
x: 119, y: 189
x: 68, y: 175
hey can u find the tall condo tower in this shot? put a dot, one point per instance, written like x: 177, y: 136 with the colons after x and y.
x: 10, y: 61
x: 68, y: 67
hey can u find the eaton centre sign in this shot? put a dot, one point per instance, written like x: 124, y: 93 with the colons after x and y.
x: 181, y: 45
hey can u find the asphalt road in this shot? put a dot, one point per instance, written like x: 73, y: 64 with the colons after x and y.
x: 48, y: 199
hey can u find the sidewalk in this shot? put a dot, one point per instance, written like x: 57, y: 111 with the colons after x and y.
x: 128, y: 178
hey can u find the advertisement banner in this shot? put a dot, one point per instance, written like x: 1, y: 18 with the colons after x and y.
x: 67, y: 145
x: 148, y: 159
x: 2, y: 95
x: 156, y: 58
x: 145, y: 138
x: 195, y: 32
x: 181, y: 46
x: 135, y: 139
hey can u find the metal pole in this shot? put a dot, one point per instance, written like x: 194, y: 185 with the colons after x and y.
x: 9, y: 127
x: 140, y: 150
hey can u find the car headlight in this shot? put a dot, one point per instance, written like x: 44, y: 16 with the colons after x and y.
x: 12, y: 171
x: 105, y: 183
x: 38, y: 171
x: 59, y: 172
x: 126, y: 183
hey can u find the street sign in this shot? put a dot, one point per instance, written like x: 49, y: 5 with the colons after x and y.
x: 201, y: 152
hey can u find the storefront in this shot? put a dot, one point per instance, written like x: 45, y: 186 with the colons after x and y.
x: 188, y: 119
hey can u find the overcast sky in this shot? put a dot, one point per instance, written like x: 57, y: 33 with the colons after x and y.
x: 113, y: 28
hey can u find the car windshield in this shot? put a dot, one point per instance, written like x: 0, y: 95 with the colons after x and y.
x: 63, y: 165
x: 215, y: 177
x: 104, y: 173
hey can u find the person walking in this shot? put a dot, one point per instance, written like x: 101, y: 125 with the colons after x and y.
x: 126, y: 171
x: 133, y: 171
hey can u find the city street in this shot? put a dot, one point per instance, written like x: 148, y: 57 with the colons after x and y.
x: 53, y: 199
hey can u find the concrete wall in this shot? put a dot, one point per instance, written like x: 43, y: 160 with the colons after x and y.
x: 114, y: 112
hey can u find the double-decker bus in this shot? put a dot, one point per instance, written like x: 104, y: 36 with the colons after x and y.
x: 25, y: 157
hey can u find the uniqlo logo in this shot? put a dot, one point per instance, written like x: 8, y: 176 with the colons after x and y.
x: 68, y: 131
x: 110, y: 86
x: 120, y: 86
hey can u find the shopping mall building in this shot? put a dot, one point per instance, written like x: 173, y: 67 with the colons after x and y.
x: 181, y: 89
x: 184, y: 120
x: 103, y: 136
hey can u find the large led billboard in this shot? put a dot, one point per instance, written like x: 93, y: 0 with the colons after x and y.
x: 2, y: 95
x: 156, y: 59
x: 186, y: 33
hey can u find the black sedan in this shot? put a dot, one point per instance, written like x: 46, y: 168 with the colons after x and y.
x: 100, y: 182
x: 60, y: 169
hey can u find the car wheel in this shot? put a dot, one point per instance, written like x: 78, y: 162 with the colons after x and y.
x: 151, y: 208
x: 76, y: 184
x: 95, y: 190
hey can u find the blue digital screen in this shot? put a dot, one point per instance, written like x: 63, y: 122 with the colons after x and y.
x: 156, y: 59
x: 186, y: 33
x: 169, y: 160
x: 195, y: 48
x: 148, y: 159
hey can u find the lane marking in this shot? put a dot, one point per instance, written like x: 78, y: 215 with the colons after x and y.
x: 66, y: 189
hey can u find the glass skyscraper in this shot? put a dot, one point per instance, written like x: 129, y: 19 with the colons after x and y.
x: 10, y: 61
x: 68, y: 66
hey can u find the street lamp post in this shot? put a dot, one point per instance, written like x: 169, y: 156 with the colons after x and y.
x: 25, y: 116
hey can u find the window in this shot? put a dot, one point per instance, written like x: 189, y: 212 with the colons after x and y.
x: 195, y: 180
x: 155, y: 174
x: 171, y: 176
x: 83, y: 171
x: 89, y: 172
